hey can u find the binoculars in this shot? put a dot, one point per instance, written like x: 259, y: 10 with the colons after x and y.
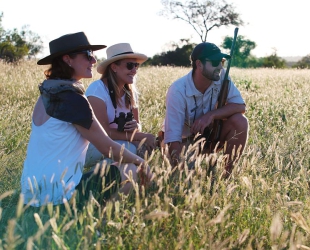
x: 122, y: 119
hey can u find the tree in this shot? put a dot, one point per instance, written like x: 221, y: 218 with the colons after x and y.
x: 242, y: 54
x: 16, y: 45
x: 202, y: 15
x: 273, y: 61
x: 304, y: 63
x: 179, y: 55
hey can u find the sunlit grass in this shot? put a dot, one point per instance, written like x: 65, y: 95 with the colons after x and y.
x: 264, y: 205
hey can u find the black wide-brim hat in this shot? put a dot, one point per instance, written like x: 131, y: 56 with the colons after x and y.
x: 66, y: 44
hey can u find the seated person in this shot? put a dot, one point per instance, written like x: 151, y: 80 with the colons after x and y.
x: 114, y: 93
x: 191, y: 106
x: 63, y: 124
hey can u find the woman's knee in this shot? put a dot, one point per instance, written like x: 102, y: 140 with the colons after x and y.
x: 130, y: 169
x: 93, y: 156
x: 129, y: 176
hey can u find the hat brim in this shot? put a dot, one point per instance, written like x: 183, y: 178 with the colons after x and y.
x: 141, y: 58
x: 219, y: 56
x: 49, y: 59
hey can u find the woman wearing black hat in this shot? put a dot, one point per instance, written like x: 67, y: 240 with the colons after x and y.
x: 63, y: 124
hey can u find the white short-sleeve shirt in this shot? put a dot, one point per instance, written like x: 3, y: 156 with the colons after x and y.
x: 54, y: 163
x: 100, y: 90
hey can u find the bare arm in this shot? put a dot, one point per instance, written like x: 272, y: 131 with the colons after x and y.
x: 99, y: 108
x: 199, y: 125
x: 99, y: 138
x: 135, y: 112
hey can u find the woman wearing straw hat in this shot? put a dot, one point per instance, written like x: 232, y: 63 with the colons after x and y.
x: 114, y: 93
x: 63, y: 124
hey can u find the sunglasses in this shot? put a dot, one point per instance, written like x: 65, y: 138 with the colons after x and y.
x: 89, y: 54
x: 131, y: 65
x: 214, y: 63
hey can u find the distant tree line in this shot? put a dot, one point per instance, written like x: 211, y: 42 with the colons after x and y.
x: 304, y: 63
x: 242, y: 57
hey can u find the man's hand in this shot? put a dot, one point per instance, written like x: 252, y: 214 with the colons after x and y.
x: 150, y: 142
x: 201, y: 123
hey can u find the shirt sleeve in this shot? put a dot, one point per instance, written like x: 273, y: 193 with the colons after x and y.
x: 175, y: 115
x: 234, y: 95
x: 98, y: 90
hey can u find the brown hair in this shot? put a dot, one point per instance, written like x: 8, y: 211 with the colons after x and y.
x: 59, y: 69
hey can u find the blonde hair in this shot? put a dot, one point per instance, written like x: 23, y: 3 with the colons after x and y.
x: 114, y: 91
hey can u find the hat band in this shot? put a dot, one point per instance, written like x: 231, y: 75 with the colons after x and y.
x: 123, y: 53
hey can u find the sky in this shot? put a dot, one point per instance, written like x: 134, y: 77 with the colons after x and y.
x: 274, y: 25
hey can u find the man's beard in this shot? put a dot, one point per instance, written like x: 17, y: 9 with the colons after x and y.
x: 214, y: 76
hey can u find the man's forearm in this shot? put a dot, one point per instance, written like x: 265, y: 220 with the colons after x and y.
x: 228, y: 110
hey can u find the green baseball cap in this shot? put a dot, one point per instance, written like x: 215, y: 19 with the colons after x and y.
x: 207, y: 50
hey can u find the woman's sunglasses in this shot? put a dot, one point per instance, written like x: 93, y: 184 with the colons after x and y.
x: 89, y: 54
x: 131, y: 65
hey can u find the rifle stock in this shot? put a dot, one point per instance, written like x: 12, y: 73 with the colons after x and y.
x: 213, y: 132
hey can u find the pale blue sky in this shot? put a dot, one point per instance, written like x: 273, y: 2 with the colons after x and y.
x: 280, y: 24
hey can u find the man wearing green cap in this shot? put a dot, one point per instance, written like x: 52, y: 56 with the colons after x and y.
x: 191, y: 107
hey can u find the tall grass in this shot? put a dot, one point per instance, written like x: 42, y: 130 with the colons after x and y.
x: 264, y: 205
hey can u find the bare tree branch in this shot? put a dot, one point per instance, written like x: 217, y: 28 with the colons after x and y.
x: 202, y: 15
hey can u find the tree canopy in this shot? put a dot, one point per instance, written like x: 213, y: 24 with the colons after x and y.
x: 202, y: 15
x: 242, y: 53
x: 273, y: 61
x: 15, y: 45
x: 179, y: 55
x: 304, y: 63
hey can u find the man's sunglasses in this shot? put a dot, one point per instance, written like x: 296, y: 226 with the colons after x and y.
x: 214, y: 63
x: 131, y: 65
x: 89, y: 54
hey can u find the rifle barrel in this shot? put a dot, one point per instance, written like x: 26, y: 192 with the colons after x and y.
x: 231, y: 52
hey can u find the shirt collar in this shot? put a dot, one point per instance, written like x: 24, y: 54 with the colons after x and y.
x: 190, y: 89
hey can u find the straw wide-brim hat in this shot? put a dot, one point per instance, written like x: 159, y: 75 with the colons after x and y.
x: 66, y: 44
x: 117, y: 52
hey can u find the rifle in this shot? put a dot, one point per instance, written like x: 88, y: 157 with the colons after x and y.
x: 212, y: 133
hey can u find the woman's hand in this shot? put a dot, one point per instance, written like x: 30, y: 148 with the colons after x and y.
x: 150, y: 141
x: 130, y: 126
x: 145, y: 175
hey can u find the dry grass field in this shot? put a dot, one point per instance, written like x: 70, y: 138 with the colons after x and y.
x: 264, y: 205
